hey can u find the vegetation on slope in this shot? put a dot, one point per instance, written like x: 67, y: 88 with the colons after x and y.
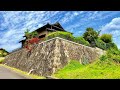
x: 97, y: 70
x: 107, y: 67
x: 90, y: 38
x: 68, y: 36
x: 104, y: 41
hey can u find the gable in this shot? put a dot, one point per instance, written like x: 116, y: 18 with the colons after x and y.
x: 57, y: 24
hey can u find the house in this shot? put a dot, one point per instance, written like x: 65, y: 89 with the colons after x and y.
x: 45, y: 30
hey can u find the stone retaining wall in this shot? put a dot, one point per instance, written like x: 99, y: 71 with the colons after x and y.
x: 49, y: 56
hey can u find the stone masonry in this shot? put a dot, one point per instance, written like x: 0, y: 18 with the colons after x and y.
x: 49, y: 56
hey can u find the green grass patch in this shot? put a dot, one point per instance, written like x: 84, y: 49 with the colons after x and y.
x: 30, y: 76
x: 98, y: 70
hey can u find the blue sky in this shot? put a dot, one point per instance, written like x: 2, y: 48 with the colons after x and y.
x: 14, y: 23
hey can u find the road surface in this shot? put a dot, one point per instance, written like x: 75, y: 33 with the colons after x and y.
x: 6, y: 73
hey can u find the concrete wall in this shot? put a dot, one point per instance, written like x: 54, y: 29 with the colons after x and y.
x: 49, y: 56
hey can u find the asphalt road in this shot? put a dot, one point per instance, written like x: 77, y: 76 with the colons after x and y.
x: 6, y: 73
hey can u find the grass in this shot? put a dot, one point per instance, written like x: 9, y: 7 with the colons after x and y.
x: 98, y: 70
x: 30, y: 76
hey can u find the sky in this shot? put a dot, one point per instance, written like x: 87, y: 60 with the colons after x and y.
x: 14, y: 23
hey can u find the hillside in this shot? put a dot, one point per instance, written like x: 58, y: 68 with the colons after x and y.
x: 47, y: 57
x: 64, y: 56
x: 97, y: 70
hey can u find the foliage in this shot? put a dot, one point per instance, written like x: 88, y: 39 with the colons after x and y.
x: 98, y: 70
x: 103, y: 57
x: 3, y: 53
x: 65, y: 35
x: 1, y: 60
x: 68, y: 36
x: 27, y: 33
x: 100, y: 44
x: 116, y: 58
x: 34, y: 34
x: 90, y: 35
x: 114, y: 55
x: 33, y: 40
x: 107, y: 38
x: 81, y: 40
x: 30, y: 35
x: 105, y: 46
x: 113, y: 51
x: 30, y: 42
x: 111, y: 45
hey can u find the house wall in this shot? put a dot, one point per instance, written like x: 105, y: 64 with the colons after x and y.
x: 42, y: 32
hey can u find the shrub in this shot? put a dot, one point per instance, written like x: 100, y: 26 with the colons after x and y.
x: 29, y: 34
x: 1, y: 60
x: 116, y: 58
x: 113, y: 54
x: 105, y: 46
x: 103, y: 57
x: 113, y: 51
x: 33, y: 40
x: 68, y: 36
x: 111, y: 45
x: 65, y: 35
x: 34, y: 34
x: 100, y: 44
x: 107, y: 38
x: 81, y: 40
x: 3, y: 53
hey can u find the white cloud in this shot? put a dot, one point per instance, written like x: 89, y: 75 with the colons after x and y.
x: 16, y: 22
x: 113, y: 28
x: 69, y: 16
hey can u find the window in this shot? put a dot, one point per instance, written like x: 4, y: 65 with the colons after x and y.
x: 42, y: 36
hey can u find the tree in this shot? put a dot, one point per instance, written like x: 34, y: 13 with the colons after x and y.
x: 91, y: 35
x: 3, y: 53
